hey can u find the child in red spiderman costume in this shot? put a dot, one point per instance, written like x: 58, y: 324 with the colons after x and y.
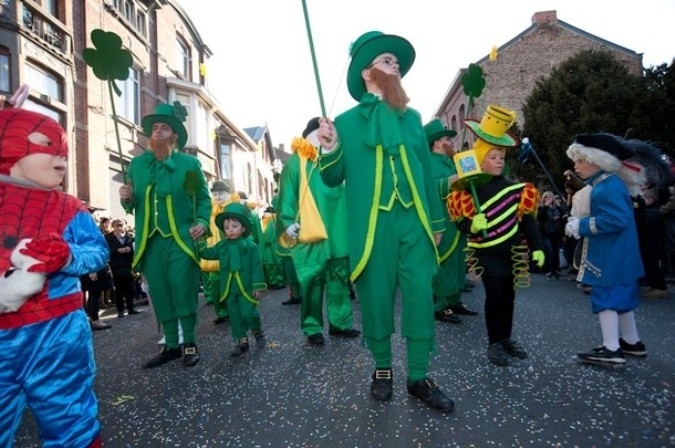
x: 48, y: 239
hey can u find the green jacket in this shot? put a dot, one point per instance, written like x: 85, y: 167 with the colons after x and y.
x: 162, y: 202
x: 329, y: 201
x: 375, y: 175
x: 241, y: 267
x: 442, y: 167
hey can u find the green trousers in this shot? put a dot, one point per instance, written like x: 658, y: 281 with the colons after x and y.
x: 334, y: 280
x: 211, y: 285
x: 173, y: 279
x: 450, y: 279
x: 402, y: 256
x: 244, y: 315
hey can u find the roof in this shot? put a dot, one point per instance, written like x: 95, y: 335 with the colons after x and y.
x: 256, y: 133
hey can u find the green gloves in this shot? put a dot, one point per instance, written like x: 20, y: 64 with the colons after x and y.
x: 478, y: 223
x: 539, y: 257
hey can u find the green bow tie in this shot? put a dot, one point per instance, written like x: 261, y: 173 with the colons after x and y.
x: 161, y: 169
x: 232, y: 254
x: 383, y: 124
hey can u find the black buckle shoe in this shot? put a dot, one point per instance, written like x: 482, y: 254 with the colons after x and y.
x: 220, y: 320
x: 447, y: 316
x: 167, y: 354
x: 260, y: 340
x: 316, y: 339
x: 462, y: 309
x: 292, y: 301
x: 240, y: 349
x: 381, y: 387
x: 190, y: 354
x: 347, y: 333
x: 427, y: 390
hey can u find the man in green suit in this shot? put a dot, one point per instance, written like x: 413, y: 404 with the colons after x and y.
x: 378, y: 148
x: 321, y: 265
x: 167, y: 193
x: 451, y: 277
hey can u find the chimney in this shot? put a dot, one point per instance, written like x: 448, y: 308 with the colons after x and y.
x: 545, y: 18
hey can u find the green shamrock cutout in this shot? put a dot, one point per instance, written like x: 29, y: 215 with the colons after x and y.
x: 473, y: 82
x: 179, y: 111
x: 108, y: 59
x: 190, y: 185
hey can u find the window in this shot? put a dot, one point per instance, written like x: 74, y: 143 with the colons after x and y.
x: 29, y: 104
x: 129, y: 12
x: 453, y: 123
x: 140, y: 23
x: 44, y: 82
x: 202, y: 129
x: 128, y: 104
x: 462, y: 114
x: 49, y: 6
x: 225, y: 161
x: 4, y: 70
x: 183, y: 59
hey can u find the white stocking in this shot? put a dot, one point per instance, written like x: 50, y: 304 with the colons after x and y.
x: 628, y: 328
x: 609, y: 324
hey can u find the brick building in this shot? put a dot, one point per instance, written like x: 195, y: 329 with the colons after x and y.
x: 530, y: 55
x: 41, y: 43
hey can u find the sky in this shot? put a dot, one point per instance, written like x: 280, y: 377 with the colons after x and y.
x: 261, y: 70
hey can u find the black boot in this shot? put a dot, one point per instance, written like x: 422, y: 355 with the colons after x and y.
x: 381, y: 387
x: 240, y: 349
x: 167, y: 354
x: 190, y: 354
x: 427, y: 390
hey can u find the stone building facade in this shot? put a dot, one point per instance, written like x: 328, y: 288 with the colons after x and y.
x: 529, y: 56
x: 41, y: 43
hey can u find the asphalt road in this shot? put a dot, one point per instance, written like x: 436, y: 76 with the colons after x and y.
x: 291, y: 394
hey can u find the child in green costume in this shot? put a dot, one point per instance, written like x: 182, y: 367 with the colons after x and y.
x: 241, y: 275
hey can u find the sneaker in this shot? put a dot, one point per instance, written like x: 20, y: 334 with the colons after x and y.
x: 97, y: 325
x: 603, y: 354
x: 655, y: 294
x: 260, y: 340
x: 427, y: 390
x: 514, y: 349
x: 496, y: 354
x: 638, y: 349
x: 381, y: 387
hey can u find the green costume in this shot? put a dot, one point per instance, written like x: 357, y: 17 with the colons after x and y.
x: 322, y: 265
x: 393, y: 213
x: 273, y: 265
x: 210, y: 268
x: 451, y: 277
x: 241, y: 273
x: 165, y: 207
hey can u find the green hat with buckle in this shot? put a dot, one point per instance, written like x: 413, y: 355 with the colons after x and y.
x: 369, y: 46
x: 237, y: 211
x: 172, y: 114
x: 435, y: 129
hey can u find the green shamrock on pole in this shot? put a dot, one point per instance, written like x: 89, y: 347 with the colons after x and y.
x: 109, y: 62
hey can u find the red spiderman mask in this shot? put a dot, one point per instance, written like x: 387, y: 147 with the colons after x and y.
x: 16, y: 127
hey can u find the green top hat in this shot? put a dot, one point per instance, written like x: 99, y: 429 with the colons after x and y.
x: 435, y: 129
x: 172, y: 114
x: 369, y: 46
x: 312, y: 125
x: 493, y: 126
x: 237, y: 211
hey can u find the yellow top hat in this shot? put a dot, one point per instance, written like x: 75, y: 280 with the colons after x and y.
x: 493, y: 126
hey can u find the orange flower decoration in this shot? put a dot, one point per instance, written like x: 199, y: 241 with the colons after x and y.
x: 304, y: 149
x: 529, y: 200
x: 460, y: 205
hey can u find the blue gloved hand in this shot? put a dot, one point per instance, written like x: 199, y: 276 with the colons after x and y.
x: 478, y: 223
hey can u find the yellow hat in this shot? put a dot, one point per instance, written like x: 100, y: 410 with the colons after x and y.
x: 493, y: 126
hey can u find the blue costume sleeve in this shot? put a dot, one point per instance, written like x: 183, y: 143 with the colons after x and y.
x: 88, y: 248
